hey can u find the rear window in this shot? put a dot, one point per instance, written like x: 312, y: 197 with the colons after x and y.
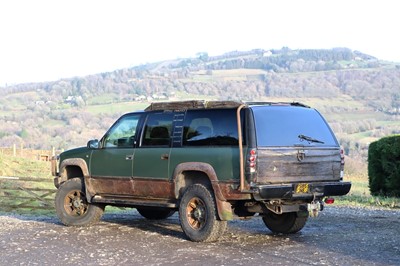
x: 290, y: 125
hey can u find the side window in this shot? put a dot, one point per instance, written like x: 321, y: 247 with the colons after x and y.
x: 122, y: 133
x: 157, y: 130
x: 216, y: 127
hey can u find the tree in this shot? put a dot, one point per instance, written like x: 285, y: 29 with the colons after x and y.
x: 203, y: 56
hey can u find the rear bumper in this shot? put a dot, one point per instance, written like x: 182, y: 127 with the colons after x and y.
x: 288, y: 191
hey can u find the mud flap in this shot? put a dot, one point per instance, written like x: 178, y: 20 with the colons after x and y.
x: 224, y: 209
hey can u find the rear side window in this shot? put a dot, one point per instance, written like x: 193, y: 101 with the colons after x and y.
x: 290, y: 125
x: 157, y: 130
x: 217, y: 127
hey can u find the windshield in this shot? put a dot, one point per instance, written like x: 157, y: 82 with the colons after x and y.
x: 291, y: 125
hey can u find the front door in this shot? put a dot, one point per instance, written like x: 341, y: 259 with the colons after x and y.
x: 111, y: 164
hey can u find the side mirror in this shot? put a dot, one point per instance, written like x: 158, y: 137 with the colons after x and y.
x: 93, y: 144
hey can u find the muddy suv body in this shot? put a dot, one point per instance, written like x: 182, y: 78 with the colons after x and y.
x: 211, y: 161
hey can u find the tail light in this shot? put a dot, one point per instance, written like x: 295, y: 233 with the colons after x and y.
x: 341, y: 164
x: 342, y: 156
x: 252, y: 160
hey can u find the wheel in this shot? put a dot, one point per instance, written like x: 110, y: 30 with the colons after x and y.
x: 198, y: 217
x: 286, y: 223
x: 72, y: 207
x: 155, y: 213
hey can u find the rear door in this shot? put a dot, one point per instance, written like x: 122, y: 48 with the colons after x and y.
x: 294, y: 144
x: 151, y: 159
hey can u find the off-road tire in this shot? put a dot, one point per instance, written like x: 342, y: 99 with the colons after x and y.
x: 72, y: 207
x: 198, y: 216
x: 155, y: 213
x: 285, y: 223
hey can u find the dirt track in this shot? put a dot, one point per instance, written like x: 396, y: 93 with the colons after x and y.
x: 339, y: 236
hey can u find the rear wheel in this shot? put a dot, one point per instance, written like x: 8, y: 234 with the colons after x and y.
x: 198, y: 217
x: 285, y: 223
x: 72, y: 207
x: 155, y: 213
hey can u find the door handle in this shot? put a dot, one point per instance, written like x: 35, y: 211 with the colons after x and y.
x: 129, y: 157
x: 165, y: 156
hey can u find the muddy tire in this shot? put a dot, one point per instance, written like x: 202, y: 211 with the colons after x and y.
x: 72, y: 207
x: 285, y: 223
x: 198, y: 216
x: 155, y: 213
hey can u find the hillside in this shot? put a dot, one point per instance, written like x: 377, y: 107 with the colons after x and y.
x: 357, y: 93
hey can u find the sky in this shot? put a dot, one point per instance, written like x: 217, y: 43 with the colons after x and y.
x: 45, y: 40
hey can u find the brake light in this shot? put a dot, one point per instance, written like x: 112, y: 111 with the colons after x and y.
x: 252, y: 160
x: 341, y: 164
x: 342, y: 156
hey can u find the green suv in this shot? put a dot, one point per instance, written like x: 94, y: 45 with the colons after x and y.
x: 209, y: 160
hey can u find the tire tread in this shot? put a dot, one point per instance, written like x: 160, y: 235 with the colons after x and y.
x: 215, y: 228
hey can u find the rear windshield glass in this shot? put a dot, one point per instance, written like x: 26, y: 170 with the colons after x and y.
x: 290, y: 125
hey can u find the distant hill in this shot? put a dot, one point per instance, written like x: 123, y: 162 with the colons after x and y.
x: 359, y: 94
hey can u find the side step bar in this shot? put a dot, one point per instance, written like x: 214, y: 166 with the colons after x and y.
x: 129, y: 201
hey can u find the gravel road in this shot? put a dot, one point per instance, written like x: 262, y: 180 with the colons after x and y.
x: 339, y: 236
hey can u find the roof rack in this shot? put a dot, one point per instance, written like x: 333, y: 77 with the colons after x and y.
x: 202, y: 104
x: 195, y: 104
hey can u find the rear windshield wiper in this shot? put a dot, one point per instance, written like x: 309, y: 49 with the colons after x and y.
x: 309, y: 139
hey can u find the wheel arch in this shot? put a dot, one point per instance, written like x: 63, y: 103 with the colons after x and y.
x: 186, y: 174
x: 74, y: 167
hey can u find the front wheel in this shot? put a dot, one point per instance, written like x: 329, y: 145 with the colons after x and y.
x: 198, y: 217
x: 72, y: 207
x: 285, y: 223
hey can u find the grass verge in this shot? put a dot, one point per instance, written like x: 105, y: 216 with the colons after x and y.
x: 359, y: 194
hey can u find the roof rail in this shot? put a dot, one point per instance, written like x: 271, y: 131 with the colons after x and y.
x: 277, y: 103
x: 299, y: 104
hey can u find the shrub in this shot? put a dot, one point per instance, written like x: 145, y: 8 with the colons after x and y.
x: 384, y: 166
